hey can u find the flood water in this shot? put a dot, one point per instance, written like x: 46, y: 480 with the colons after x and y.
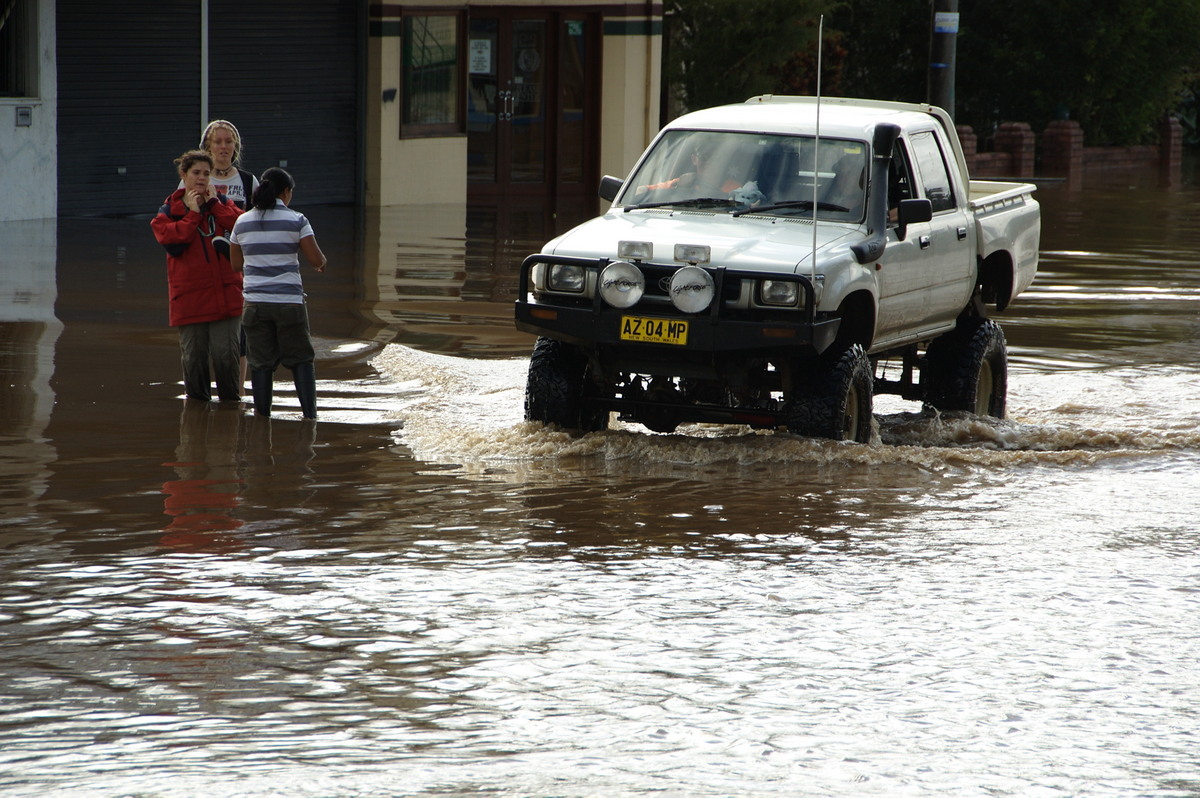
x: 423, y: 595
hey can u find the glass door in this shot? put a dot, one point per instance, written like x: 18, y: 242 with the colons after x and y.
x: 484, y: 102
x: 529, y: 116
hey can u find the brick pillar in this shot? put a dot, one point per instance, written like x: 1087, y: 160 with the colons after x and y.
x: 1062, y: 151
x: 1170, y: 152
x: 970, y: 146
x: 1018, y: 140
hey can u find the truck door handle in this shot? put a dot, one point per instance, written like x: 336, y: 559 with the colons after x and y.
x: 962, y: 233
x: 925, y: 242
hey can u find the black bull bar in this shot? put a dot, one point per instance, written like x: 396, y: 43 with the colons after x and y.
x: 593, y: 324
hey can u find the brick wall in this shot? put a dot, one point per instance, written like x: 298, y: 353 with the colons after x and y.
x: 1059, y: 152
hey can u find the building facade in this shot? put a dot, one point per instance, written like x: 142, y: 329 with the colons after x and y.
x: 374, y: 104
x: 28, y: 113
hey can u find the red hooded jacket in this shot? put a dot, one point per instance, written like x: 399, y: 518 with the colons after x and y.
x: 203, y: 285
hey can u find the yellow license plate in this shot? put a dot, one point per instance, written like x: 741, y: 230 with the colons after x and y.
x: 654, y: 331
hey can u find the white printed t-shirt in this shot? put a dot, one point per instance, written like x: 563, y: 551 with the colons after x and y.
x: 232, y: 187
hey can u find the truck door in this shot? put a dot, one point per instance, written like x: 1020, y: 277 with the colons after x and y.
x: 900, y: 279
x: 950, y: 246
x: 922, y: 279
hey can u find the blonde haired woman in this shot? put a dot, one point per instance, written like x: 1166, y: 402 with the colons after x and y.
x: 222, y: 140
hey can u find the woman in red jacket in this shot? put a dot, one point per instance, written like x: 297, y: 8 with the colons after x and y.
x: 205, y: 291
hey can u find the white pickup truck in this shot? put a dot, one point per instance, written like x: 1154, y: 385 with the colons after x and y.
x: 776, y: 263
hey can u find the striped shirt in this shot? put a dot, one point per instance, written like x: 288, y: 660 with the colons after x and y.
x: 270, y: 242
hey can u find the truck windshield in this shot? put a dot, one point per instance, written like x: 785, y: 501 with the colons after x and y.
x: 758, y: 173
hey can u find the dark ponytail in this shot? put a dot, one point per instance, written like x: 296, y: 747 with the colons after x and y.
x: 273, y: 182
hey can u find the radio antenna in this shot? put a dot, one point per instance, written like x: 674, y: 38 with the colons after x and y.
x: 816, y: 152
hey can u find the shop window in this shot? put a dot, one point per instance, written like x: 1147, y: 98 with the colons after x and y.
x: 431, y: 80
x: 18, y: 48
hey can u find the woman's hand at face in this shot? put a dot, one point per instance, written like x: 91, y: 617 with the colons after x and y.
x: 194, y: 200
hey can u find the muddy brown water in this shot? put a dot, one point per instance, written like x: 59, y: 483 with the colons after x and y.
x: 423, y: 595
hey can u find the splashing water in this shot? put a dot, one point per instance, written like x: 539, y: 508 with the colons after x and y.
x: 471, y: 412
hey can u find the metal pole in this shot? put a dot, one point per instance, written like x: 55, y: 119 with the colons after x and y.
x: 816, y: 153
x: 203, y: 63
x: 943, y: 41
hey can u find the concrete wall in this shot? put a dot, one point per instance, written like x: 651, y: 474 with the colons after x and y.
x: 630, y: 100
x: 29, y: 153
x: 401, y: 171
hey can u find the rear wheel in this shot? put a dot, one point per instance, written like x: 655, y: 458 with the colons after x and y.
x: 836, y: 401
x: 967, y: 369
x: 559, y: 390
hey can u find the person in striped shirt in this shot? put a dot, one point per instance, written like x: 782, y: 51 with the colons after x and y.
x: 265, y: 245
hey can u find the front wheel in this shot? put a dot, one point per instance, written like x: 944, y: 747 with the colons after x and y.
x: 836, y: 401
x: 558, y: 389
x: 967, y: 369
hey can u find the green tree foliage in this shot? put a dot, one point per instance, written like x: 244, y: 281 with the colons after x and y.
x: 723, y: 51
x: 1115, y: 66
x: 887, y: 47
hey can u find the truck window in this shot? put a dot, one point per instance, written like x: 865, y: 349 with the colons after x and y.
x: 932, y: 167
x: 900, y: 184
x: 777, y: 172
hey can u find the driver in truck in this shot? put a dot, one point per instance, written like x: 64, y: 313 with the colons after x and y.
x: 713, y: 177
x: 710, y: 174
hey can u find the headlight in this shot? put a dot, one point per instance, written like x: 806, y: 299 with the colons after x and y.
x: 691, y: 289
x: 567, y: 277
x: 783, y: 293
x: 622, y: 284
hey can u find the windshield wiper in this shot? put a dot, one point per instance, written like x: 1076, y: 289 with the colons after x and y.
x: 800, y: 204
x: 697, y: 201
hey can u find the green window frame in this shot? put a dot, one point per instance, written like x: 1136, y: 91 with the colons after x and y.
x: 431, y: 80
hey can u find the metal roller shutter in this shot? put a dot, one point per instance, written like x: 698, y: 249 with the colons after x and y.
x: 127, y: 102
x: 287, y: 76
x: 129, y: 96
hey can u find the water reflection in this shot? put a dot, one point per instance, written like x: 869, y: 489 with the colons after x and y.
x: 29, y: 333
x: 202, y: 500
x: 278, y: 465
x: 441, y: 277
x: 1117, y: 277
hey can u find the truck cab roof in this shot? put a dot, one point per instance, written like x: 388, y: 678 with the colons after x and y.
x: 839, y: 118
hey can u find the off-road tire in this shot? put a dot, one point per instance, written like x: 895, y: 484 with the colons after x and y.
x: 967, y: 370
x: 836, y: 399
x: 558, y: 389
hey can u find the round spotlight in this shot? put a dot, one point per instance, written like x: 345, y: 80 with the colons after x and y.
x: 691, y: 289
x: 622, y: 284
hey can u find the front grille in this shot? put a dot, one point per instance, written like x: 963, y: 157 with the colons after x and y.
x: 658, y: 284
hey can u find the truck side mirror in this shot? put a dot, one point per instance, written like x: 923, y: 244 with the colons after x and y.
x: 609, y: 187
x: 912, y: 211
